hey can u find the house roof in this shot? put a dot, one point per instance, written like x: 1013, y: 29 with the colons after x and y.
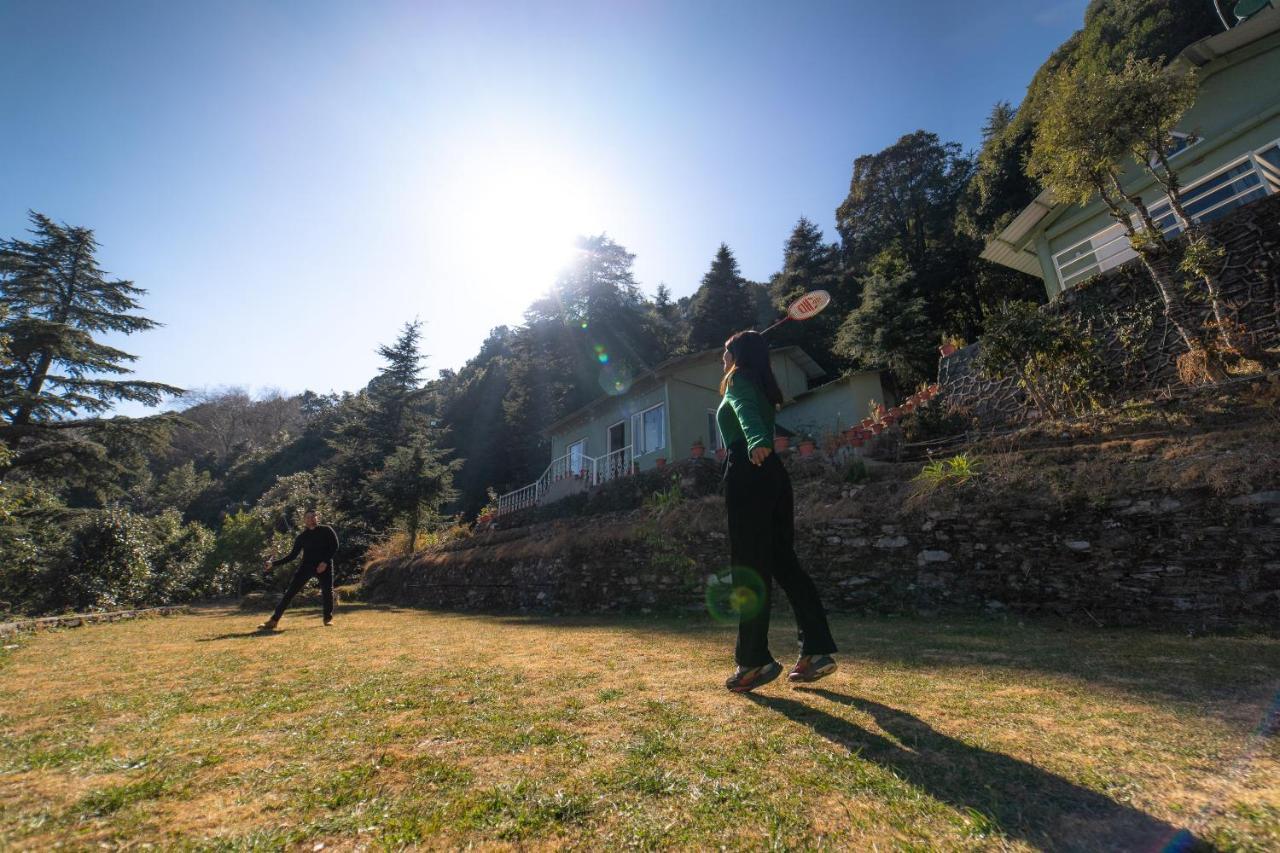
x: 802, y: 358
x: 1010, y: 246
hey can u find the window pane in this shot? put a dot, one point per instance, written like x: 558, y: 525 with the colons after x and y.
x: 1256, y: 193
x: 1217, y: 188
x: 653, y: 438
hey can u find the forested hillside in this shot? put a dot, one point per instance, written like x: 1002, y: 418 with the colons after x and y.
x: 100, y: 511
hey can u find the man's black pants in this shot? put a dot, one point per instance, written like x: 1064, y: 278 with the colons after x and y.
x: 300, y: 578
x: 762, y: 543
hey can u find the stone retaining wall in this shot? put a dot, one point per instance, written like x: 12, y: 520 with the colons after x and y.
x: 75, y: 620
x: 1190, y: 559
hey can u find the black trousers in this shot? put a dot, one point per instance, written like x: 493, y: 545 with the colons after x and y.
x: 762, y: 543
x: 300, y: 578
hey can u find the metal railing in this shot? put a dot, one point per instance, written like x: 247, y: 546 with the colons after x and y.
x: 594, y: 469
x: 613, y: 465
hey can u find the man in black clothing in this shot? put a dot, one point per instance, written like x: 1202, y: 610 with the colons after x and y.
x: 318, y: 544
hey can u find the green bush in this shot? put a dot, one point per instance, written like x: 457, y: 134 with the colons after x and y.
x: 1056, y: 362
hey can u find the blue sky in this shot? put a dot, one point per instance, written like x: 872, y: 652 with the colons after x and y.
x: 292, y: 181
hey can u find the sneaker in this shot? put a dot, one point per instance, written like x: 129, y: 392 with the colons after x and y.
x: 269, y: 625
x: 811, y: 668
x: 748, y: 678
x: 328, y: 620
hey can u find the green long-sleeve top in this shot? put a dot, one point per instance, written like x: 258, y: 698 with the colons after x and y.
x: 745, y: 414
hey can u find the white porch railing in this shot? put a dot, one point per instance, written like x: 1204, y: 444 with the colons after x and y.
x: 594, y: 469
x: 614, y: 465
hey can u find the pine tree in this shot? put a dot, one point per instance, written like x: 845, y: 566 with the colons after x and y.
x: 808, y: 263
x: 387, y: 424
x: 58, y: 299
x: 721, y: 306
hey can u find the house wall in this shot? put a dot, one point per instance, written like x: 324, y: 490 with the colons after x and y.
x: 1236, y: 111
x: 594, y: 428
x: 688, y: 392
x: 834, y: 407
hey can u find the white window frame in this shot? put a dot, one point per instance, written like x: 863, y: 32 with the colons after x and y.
x: 1120, y: 255
x: 639, y: 447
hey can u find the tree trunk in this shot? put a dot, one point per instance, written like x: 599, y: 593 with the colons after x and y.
x: 1196, y: 233
x: 1154, y: 260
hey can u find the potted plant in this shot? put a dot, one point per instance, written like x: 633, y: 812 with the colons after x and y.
x: 660, y: 461
x: 698, y: 449
x: 950, y: 343
x: 807, y: 446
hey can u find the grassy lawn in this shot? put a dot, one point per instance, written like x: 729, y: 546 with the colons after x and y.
x: 400, y: 728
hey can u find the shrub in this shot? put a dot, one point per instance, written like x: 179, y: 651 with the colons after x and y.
x: 1053, y: 360
x: 856, y: 471
x: 110, y: 565
x: 958, y: 470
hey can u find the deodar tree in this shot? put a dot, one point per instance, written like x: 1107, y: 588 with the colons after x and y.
x: 58, y: 300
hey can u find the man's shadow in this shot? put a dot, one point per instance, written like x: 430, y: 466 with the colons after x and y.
x: 1019, y: 799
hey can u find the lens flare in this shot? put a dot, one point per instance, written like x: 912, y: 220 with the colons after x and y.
x: 615, y: 378
x: 735, y: 595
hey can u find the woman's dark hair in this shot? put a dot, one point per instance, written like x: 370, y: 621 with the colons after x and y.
x: 750, y: 353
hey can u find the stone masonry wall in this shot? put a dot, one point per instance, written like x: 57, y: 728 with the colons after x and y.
x: 1186, y: 559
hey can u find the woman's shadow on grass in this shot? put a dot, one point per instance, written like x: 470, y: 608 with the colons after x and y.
x: 1018, y: 799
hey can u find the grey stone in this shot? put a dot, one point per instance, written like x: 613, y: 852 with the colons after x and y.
x: 1256, y: 499
x: 1077, y: 545
x: 928, y: 556
x: 891, y: 542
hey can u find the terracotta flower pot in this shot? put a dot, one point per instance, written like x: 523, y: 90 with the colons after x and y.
x: 721, y: 453
x: 946, y: 350
x: 781, y: 443
x: 876, y: 429
x: 807, y: 448
x: 660, y: 461
x: 697, y: 451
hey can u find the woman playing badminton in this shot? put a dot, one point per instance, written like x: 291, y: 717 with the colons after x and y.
x: 762, y: 525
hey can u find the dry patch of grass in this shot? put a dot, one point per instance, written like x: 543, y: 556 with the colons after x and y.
x: 404, y: 728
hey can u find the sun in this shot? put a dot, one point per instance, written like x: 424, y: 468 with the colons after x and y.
x: 514, y: 221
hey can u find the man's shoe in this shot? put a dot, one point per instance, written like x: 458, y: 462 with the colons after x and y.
x: 748, y: 678
x: 269, y: 625
x: 811, y: 668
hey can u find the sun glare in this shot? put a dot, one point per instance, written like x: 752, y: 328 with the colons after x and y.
x: 515, y: 219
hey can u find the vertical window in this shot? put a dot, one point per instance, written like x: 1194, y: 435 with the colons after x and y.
x: 713, y: 430
x: 654, y: 435
x: 577, y: 452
